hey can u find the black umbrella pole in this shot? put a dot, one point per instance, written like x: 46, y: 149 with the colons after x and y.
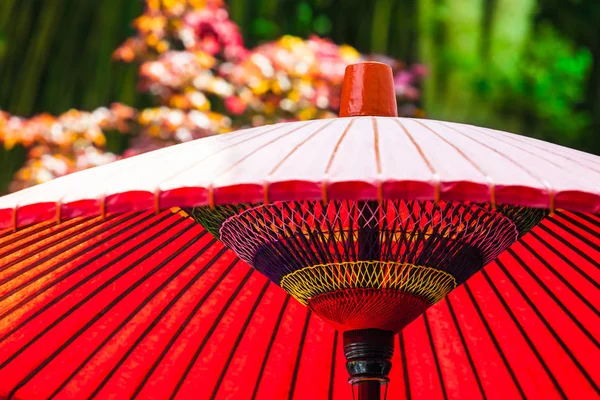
x: 368, y: 390
x: 368, y: 361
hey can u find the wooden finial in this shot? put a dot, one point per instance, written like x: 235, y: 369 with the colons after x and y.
x: 368, y: 90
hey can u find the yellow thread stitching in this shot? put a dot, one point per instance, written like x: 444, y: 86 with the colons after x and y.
x: 311, y: 281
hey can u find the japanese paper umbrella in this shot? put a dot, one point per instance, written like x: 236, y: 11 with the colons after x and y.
x: 286, y: 260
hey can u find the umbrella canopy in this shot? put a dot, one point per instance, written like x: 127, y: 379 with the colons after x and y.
x: 108, y: 308
x: 368, y: 220
x: 347, y: 158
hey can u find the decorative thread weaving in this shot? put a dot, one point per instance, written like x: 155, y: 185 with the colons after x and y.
x: 524, y: 218
x: 385, y: 309
x: 426, y: 282
x: 280, y: 238
x: 368, y: 264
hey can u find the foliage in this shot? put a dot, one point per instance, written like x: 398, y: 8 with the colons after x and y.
x: 194, y: 64
x: 490, y: 62
x: 501, y: 68
x: 551, y: 86
x: 60, y: 145
x: 55, y: 55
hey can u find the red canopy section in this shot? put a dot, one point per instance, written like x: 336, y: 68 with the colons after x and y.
x: 106, y: 307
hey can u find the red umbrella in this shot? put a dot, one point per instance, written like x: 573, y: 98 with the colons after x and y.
x: 366, y: 220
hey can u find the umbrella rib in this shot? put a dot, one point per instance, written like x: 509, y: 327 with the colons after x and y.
x: 574, y: 231
x: 134, y: 162
x: 568, y: 284
x: 149, y: 298
x: 297, y: 146
x: 89, y: 174
x: 528, y: 172
x: 564, y: 258
x: 402, y: 349
x: 67, y: 274
x: 377, y: 159
x: 113, y: 303
x: 427, y: 161
x: 524, y: 334
x: 299, y: 357
x: 332, y: 368
x: 592, y: 219
x: 30, y: 230
x: 578, y: 235
x: 324, y: 183
x: 256, y: 150
x: 55, y: 253
x: 219, y: 382
x: 577, y: 176
x: 198, y: 162
x: 464, y: 155
x: 83, y: 281
x: 435, y: 356
x: 529, y: 143
x: 270, y: 346
x: 42, y: 226
x: 466, y: 347
x: 584, y: 228
x: 506, y: 157
x: 50, y: 269
x: 479, y: 168
x: 162, y: 314
x: 490, y: 332
x: 376, y: 145
x: 211, y: 330
x: 337, y: 146
x: 53, y: 235
x: 96, y: 291
x: 545, y: 321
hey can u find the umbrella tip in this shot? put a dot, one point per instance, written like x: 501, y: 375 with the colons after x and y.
x: 368, y: 90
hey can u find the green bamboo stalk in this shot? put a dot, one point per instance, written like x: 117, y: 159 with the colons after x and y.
x: 461, y: 57
x: 10, y: 162
x: 128, y: 93
x: 17, y: 33
x: 380, y: 27
x: 98, y: 52
x: 238, y: 12
x: 66, y: 69
x: 35, y: 57
x: 268, y: 9
x: 512, y: 22
x: 427, y: 23
x: 511, y: 25
x: 6, y: 9
x: 403, y: 31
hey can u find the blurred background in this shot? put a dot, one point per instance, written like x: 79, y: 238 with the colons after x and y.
x: 85, y: 82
